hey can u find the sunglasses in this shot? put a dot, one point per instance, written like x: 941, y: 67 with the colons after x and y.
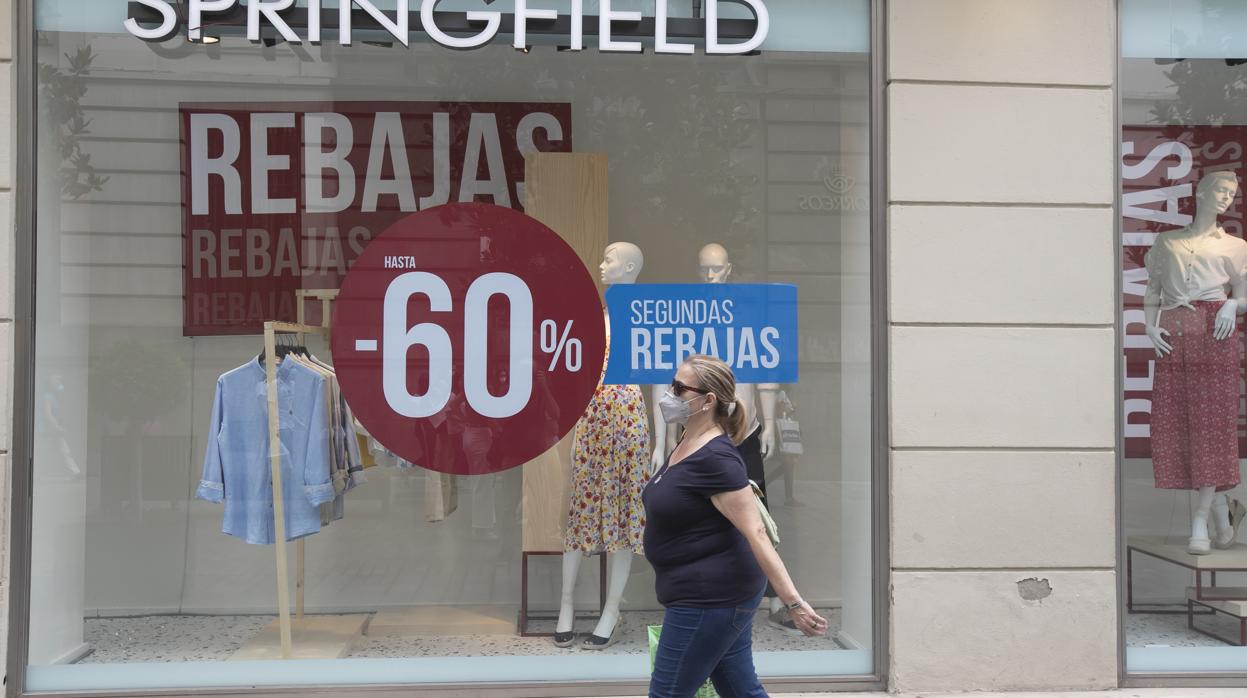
x: 679, y: 388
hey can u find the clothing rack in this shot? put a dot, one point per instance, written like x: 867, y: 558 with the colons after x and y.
x: 271, y: 330
x: 326, y: 298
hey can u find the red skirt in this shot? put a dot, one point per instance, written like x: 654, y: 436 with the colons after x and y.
x: 1195, y: 400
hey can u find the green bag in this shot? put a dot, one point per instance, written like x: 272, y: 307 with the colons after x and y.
x: 655, y: 631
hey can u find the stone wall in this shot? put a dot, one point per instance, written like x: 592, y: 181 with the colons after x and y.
x: 1001, y: 165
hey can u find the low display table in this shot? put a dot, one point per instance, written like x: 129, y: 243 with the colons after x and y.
x: 525, y: 616
x: 1173, y: 550
x: 1234, y: 609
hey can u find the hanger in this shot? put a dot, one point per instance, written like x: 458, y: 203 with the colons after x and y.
x: 285, y: 346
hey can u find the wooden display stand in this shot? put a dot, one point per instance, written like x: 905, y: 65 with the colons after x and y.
x: 568, y: 193
x: 322, y: 637
x: 313, y: 637
x: 326, y: 298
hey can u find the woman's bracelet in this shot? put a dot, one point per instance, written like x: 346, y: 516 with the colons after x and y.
x: 795, y: 604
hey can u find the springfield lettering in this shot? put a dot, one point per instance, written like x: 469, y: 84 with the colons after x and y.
x: 485, y: 23
x: 283, y: 196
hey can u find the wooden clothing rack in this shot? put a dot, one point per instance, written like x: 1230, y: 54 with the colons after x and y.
x: 271, y: 330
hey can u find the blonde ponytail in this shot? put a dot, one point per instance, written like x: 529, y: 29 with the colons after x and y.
x: 735, y: 423
x: 716, y: 377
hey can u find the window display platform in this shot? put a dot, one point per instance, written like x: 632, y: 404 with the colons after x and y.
x: 1173, y: 550
x: 1236, y: 610
x: 219, y: 638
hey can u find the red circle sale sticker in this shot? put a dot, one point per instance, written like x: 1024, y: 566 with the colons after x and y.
x: 468, y: 338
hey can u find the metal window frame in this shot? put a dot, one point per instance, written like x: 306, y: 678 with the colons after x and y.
x: 1126, y: 679
x: 21, y: 457
x: 26, y: 131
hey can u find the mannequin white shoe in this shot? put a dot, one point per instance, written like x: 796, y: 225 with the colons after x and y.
x: 1199, y: 544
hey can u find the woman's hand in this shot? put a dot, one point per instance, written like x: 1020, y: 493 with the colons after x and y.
x: 807, y: 620
x: 740, y: 508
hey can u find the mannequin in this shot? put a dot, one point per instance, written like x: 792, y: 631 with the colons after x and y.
x: 609, y: 469
x: 1197, y: 286
x: 714, y: 266
x: 789, y: 460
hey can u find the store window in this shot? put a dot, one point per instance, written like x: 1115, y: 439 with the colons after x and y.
x: 1184, y: 127
x: 407, y: 250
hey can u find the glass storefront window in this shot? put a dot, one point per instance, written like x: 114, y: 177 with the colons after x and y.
x: 1184, y: 126
x: 188, y: 193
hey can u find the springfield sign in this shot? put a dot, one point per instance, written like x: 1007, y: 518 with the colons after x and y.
x: 481, y: 25
x: 284, y: 196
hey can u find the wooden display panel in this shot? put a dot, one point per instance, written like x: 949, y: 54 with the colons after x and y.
x: 312, y: 637
x: 439, y: 621
x: 568, y: 193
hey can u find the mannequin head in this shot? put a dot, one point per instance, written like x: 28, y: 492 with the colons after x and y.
x: 621, y: 263
x: 713, y: 264
x: 1217, y: 189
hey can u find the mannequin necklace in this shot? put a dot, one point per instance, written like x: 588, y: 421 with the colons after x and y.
x: 1190, y: 244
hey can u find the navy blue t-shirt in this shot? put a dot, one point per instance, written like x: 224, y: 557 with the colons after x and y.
x: 699, y: 557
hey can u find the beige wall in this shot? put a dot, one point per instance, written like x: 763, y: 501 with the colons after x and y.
x: 1001, y: 186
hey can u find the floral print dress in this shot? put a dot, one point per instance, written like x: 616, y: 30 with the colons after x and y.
x: 610, y: 466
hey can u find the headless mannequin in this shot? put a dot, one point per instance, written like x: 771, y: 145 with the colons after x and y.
x: 621, y: 264
x: 789, y: 460
x: 1214, y: 196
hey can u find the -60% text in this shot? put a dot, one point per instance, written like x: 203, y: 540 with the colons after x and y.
x: 398, y: 339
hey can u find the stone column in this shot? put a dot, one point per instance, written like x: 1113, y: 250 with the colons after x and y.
x: 1002, y: 152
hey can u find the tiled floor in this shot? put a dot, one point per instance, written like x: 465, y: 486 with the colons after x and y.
x: 1154, y: 630
x: 169, y: 638
x: 215, y: 638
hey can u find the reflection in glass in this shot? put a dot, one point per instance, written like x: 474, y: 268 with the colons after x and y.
x: 752, y: 169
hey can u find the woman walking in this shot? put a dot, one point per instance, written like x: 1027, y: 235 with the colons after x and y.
x: 708, y: 546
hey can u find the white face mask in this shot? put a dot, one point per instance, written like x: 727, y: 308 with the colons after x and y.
x: 674, y: 410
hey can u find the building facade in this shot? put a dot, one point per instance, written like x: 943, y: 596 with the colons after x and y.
x: 955, y: 425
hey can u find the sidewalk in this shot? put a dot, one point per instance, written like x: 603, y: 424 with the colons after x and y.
x: 1116, y: 693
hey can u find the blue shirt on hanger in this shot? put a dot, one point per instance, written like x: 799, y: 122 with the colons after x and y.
x: 236, y: 466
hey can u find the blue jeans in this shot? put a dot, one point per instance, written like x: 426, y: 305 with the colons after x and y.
x: 701, y: 643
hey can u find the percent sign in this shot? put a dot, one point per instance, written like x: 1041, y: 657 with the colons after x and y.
x: 565, y: 346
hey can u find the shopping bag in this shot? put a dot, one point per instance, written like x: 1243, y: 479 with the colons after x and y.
x: 655, y: 631
x: 772, y: 530
x: 789, y: 436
